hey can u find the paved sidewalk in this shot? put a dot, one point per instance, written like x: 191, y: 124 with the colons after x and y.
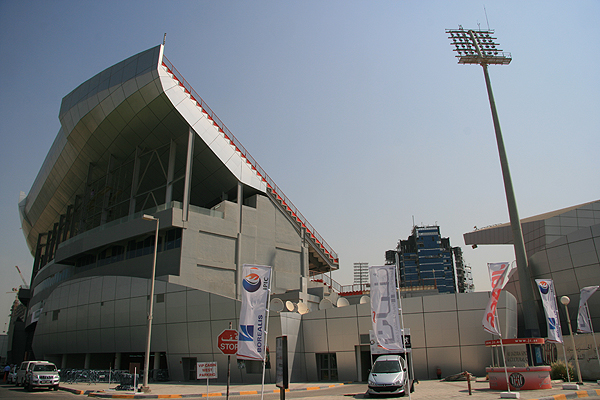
x: 424, y: 390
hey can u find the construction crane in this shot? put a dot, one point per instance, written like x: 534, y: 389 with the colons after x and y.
x: 25, y: 285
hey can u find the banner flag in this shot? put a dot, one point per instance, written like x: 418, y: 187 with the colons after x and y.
x: 546, y: 288
x: 253, y: 314
x: 384, y: 308
x: 499, y: 274
x: 584, y: 325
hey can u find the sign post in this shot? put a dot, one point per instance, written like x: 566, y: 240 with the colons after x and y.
x: 206, y: 370
x: 282, y: 380
x: 227, y: 342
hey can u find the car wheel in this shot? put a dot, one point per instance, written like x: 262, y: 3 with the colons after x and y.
x: 55, y: 387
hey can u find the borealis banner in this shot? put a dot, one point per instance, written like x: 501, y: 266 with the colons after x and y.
x: 252, y: 340
x: 384, y: 308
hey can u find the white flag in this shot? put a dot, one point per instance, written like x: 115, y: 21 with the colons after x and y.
x: 499, y: 275
x: 546, y: 288
x: 384, y: 308
x: 584, y: 325
x: 252, y: 340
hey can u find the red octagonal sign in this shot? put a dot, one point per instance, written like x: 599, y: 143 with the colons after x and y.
x: 227, y: 341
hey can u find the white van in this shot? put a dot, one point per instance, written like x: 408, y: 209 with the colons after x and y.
x: 33, y: 374
x: 389, y: 375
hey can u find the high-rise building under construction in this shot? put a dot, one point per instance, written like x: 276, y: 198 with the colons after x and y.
x: 426, y: 260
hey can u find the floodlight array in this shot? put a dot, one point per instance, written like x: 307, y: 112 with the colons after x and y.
x: 477, y: 47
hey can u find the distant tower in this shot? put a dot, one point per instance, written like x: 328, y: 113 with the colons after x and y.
x: 361, y: 273
x: 428, y: 261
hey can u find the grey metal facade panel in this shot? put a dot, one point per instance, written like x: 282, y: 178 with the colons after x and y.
x: 441, y: 329
x: 444, y: 358
x: 471, y: 301
x: 470, y: 328
x: 176, y: 307
x: 439, y: 303
x: 342, y: 334
x: 583, y: 253
x: 122, y: 309
x: 472, y: 358
x: 416, y: 323
x: 200, y: 334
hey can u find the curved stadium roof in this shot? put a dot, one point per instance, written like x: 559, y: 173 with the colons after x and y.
x: 144, y: 103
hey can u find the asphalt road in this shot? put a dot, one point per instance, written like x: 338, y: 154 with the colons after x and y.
x: 347, y: 391
x: 13, y: 392
x: 340, y: 392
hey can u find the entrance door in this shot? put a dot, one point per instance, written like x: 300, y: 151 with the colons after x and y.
x: 365, y: 363
x: 189, y: 368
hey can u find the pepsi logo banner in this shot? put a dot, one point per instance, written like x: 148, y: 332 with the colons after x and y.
x: 252, y: 339
x: 546, y: 288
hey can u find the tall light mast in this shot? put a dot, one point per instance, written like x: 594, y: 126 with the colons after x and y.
x: 480, y: 47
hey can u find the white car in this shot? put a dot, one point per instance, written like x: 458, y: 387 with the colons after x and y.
x: 37, y: 374
x: 389, y: 375
x: 12, y: 375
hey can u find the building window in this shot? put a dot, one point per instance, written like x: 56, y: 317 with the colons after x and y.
x: 173, y: 239
x: 327, y: 367
x: 55, y: 315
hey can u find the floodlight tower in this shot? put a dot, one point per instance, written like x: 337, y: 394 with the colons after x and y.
x: 480, y: 47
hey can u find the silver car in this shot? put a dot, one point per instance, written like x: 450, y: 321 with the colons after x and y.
x: 389, y: 376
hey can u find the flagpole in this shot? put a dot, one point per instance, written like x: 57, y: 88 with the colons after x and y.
x: 410, y: 383
x: 559, y: 330
x: 587, y: 310
x: 262, y: 390
x: 502, y: 347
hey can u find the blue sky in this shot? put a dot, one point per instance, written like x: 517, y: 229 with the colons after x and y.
x: 358, y: 110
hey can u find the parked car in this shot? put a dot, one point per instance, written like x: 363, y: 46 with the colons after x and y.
x: 389, y: 375
x: 12, y: 375
x: 21, y: 371
x: 37, y: 374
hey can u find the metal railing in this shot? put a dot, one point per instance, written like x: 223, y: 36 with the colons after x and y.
x: 260, y: 171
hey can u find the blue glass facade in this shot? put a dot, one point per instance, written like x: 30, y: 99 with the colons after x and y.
x: 426, y: 260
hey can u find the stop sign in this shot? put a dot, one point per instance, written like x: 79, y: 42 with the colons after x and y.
x: 227, y: 341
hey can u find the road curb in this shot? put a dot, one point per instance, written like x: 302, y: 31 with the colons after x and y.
x: 573, y: 395
x: 101, y: 394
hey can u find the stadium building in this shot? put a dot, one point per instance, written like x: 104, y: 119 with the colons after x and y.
x: 136, y: 140
x: 562, y: 245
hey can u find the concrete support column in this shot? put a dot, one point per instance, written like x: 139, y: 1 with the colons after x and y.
x: 134, y: 181
x: 107, y: 193
x: 117, y: 361
x: 87, y: 195
x: 156, y: 366
x: 63, y: 362
x: 188, y: 173
x: 170, y: 172
x: 238, y: 244
x: 304, y: 264
x: 86, y: 363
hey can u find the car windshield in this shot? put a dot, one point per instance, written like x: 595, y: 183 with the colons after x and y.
x: 44, y: 367
x: 386, y: 366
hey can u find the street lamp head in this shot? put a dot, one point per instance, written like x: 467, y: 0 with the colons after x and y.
x: 149, y: 217
x: 565, y: 300
x: 477, y: 47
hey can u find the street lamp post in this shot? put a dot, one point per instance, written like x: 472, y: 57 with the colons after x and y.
x: 479, y: 47
x: 145, y: 386
x: 565, y: 300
